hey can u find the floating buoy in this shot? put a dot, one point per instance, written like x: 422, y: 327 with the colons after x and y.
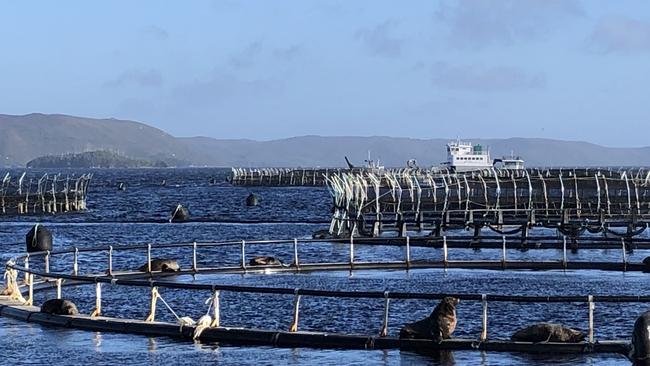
x: 252, y: 200
x: 38, y: 239
x: 180, y: 213
x: 163, y: 183
x: 121, y: 186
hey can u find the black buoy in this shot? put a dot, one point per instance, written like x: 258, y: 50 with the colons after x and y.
x: 164, y: 182
x: 180, y: 213
x: 252, y: 200
x: 121, y: 186
x: 38, y: 239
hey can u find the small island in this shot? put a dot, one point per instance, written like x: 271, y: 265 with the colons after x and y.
x: 93, y: 159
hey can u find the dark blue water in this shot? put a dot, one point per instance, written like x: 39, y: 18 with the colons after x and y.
x: 136, y: 215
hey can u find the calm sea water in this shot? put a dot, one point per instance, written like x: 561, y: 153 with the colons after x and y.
x: 136, y: 215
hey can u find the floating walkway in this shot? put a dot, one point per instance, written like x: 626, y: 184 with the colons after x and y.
x: 34, y: 275
x: 240, y: 336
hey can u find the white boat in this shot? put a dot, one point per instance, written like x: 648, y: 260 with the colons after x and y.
x: 464, y: 156
x: 511, y: 162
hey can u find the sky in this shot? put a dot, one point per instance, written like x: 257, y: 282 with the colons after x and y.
x: 563, y: 69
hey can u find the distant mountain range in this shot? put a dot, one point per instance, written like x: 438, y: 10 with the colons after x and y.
x: 23, y: 138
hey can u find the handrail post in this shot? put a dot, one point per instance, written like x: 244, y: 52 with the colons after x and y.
x: 295, y: 253
x: 484, y: 318
x: 503, y: 252
x: 445, y: 257
x: 296, y: 309
x: 384, y: 325
x: 98, y: 300
x: 624, y: 255
x: 75, y: 262
x: 47, y: 262
x: 110, y: 260
x: 30, y: 300
x: 243, y: 254
x: 591, y: 318
x: 58, y: 288
x: 195, y: 268
x: 351, y: 251
x: 564, y: 258
x: 27, y: 269
x: 408, y: 252
x: 216, y: 311
x: 149, y: 257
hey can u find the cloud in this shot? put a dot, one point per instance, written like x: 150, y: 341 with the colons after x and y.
x: 247, y: 57
x: 485, y: 79
x: 215, y: 89
x: 156, y: 32
x: 620, y: 34
x: 148, y: 78
x: 478, y: 23
x: 378, y: 40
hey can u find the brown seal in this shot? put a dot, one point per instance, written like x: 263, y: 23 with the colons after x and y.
x: 264, y: 261
x: 548, y: 332
x: 161, y: 264
x: 59, y: 307
x: 640, y: 347
x: 437, y: 326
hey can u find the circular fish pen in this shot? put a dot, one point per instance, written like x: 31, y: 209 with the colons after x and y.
x: 210, y: 299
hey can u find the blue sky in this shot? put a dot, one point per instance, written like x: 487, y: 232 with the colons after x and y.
x: 566, y: 69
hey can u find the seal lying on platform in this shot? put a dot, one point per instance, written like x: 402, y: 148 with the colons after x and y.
x: 640, y: 350
x: 264, y: 261
x: 59, y: 307
x: 437, y: 326
x: 646, y: 261
x: 325, y: 234
x: 548, y: 332
x: 161, y: 264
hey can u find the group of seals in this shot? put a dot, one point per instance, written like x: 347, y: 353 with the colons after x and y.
x: 161, y: 265
x: 548, y: 332
x: 437, y: 326
x: 59, y: 307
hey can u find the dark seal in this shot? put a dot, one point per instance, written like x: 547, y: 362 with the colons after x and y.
x: 161, y: 265
x: 640, y: 348
x: 437, y: 326
x: 59, y: 307
x: 264, y: 261
x: 548, y: 332
x: 252, y: 200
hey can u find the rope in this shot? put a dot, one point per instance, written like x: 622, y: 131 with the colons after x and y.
x: 154, y: 300
x: 11, y: 283
x: 203, y: 323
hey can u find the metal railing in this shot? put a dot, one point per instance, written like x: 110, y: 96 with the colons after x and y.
x: 115, y: 278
